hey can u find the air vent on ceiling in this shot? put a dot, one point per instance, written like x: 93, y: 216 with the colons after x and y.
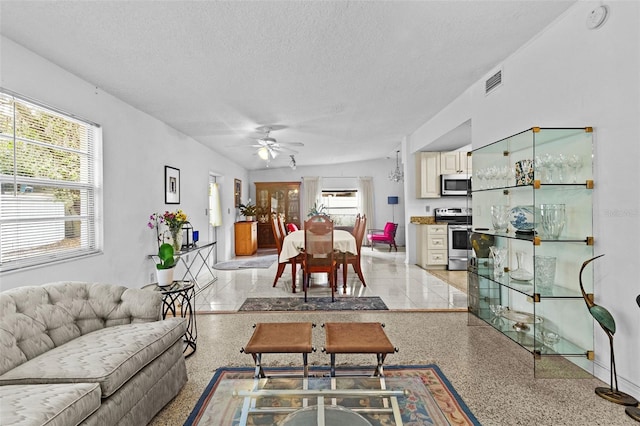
x: 493, y: 82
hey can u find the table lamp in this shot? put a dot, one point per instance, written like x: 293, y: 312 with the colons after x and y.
x: 393, y: 201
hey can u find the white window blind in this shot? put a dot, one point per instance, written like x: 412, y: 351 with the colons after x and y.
x: 48, y: 184
x: 341, y: 205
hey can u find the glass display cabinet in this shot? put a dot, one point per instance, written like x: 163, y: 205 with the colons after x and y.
x: 532, y: 204
x: 282, y: 198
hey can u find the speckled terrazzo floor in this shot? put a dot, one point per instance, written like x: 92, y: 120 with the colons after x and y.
x: 493, y: 375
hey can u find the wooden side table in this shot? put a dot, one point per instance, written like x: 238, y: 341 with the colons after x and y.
x: 179, y: 299
x: 246, y: 236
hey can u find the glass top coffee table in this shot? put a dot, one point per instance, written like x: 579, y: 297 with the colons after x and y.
x: 292, y: 401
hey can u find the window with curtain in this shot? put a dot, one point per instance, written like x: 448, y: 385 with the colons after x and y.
x: 49, y: 164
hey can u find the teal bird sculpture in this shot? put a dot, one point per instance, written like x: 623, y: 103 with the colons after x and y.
x: 608, y: 324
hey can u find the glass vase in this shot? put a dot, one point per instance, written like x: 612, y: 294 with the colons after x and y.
x: 176, y: 239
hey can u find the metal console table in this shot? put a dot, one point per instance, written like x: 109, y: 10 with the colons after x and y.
x: 201, y: 252
x: 178, y: 299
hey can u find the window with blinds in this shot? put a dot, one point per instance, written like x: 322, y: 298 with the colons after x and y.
x: 48, y: 185
x: 341, y: 205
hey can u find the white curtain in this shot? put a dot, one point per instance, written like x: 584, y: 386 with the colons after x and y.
x: 365, y: 200
x: 311, y: 194
x: 215, y: 211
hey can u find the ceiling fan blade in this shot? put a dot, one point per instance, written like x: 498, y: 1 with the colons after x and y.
x: 291, y: 143
x: 285, y: 149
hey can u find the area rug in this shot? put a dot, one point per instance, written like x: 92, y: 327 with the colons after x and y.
x: 313, y: 304
x: 429, y: 398
x: 261, y: 262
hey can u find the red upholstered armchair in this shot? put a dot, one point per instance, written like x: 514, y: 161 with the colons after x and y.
x: 386, y: 235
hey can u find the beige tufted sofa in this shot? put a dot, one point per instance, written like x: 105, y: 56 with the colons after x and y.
x: 86, y: 353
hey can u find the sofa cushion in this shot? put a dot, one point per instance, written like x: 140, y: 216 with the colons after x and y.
x: 109, y: 356
x: 36, y: 319
x: 59, y: 405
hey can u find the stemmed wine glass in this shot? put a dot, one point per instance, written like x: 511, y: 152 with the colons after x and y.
x: 541, y: 166
x: 560, y: 162
x: 574, y: 163
x: 550, y: 166
x: 481, y: 174
x: 491, y: 174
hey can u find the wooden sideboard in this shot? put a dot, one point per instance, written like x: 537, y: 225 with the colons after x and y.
x: 246, y: 236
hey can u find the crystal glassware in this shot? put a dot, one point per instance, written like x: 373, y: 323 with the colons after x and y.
x: 553, y: 219
x: 574, y: 163
x: 499, y: 255
x: 500, y: 215
x: 521, y: 273
x: 545, y: 275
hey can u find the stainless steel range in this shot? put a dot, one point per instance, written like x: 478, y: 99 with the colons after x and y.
x: 459, y: 225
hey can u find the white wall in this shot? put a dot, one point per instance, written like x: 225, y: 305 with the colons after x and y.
x: 136, y: 148
x: 570, y: 76
x: 347, y: 173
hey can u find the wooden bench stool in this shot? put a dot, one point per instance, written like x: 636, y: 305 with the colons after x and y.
x: 280, y: 337
x: 357, y: 338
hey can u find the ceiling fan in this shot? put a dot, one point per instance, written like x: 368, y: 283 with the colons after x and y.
x: 269, y: 148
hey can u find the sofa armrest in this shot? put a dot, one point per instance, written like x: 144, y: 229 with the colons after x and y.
x: 143, y: 305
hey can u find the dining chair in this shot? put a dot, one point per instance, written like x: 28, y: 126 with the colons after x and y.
x: 278, y: 236
x: 318, y: 256
x: 354, y: 259
x: 282, y: 225
x: 386, y: 235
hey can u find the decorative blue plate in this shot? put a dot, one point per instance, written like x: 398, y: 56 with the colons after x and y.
x: 522, y: 218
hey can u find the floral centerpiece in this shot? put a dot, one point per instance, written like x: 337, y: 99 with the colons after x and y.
x: 174, y: 221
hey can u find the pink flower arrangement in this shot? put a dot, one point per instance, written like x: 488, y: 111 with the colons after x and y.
x: 172, y: 220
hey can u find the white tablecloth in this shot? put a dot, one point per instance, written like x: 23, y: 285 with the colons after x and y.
x: 293, y: 244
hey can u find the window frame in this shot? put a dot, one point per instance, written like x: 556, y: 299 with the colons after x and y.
x: 22, y: 214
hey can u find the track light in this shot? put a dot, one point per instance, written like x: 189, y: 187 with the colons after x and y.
x: 292, y: 163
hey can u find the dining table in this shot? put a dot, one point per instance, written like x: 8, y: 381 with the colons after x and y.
x: 293, y: 244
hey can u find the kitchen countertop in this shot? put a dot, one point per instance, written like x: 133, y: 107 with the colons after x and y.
x: 425, y: 220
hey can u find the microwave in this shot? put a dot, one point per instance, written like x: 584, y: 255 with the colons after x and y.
x: 456, y: 184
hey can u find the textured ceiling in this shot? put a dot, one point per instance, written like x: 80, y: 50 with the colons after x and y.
x: 348, y: 79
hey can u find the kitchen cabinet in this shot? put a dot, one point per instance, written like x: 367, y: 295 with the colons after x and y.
x: 427, y: 174
x: 282, y: 198
x: 454, y: 162
x: 431, y: 250
x: 546, y: 314
x: 246, y: 238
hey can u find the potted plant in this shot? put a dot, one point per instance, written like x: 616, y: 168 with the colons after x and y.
x: 165, y: 266
x: 248, y: 210
x: 317, y: 210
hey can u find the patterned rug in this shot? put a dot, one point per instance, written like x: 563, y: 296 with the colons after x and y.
x: 261, y: 262
x: 429, y: 397
x: 313, y: 304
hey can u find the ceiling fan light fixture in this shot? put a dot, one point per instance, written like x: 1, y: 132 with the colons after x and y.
x: 263, y: 153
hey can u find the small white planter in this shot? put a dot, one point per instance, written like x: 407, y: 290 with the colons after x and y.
x: 165, y: 276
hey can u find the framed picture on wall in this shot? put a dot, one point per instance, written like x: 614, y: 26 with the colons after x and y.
x: 171, y: 185
x: 237, y: 192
